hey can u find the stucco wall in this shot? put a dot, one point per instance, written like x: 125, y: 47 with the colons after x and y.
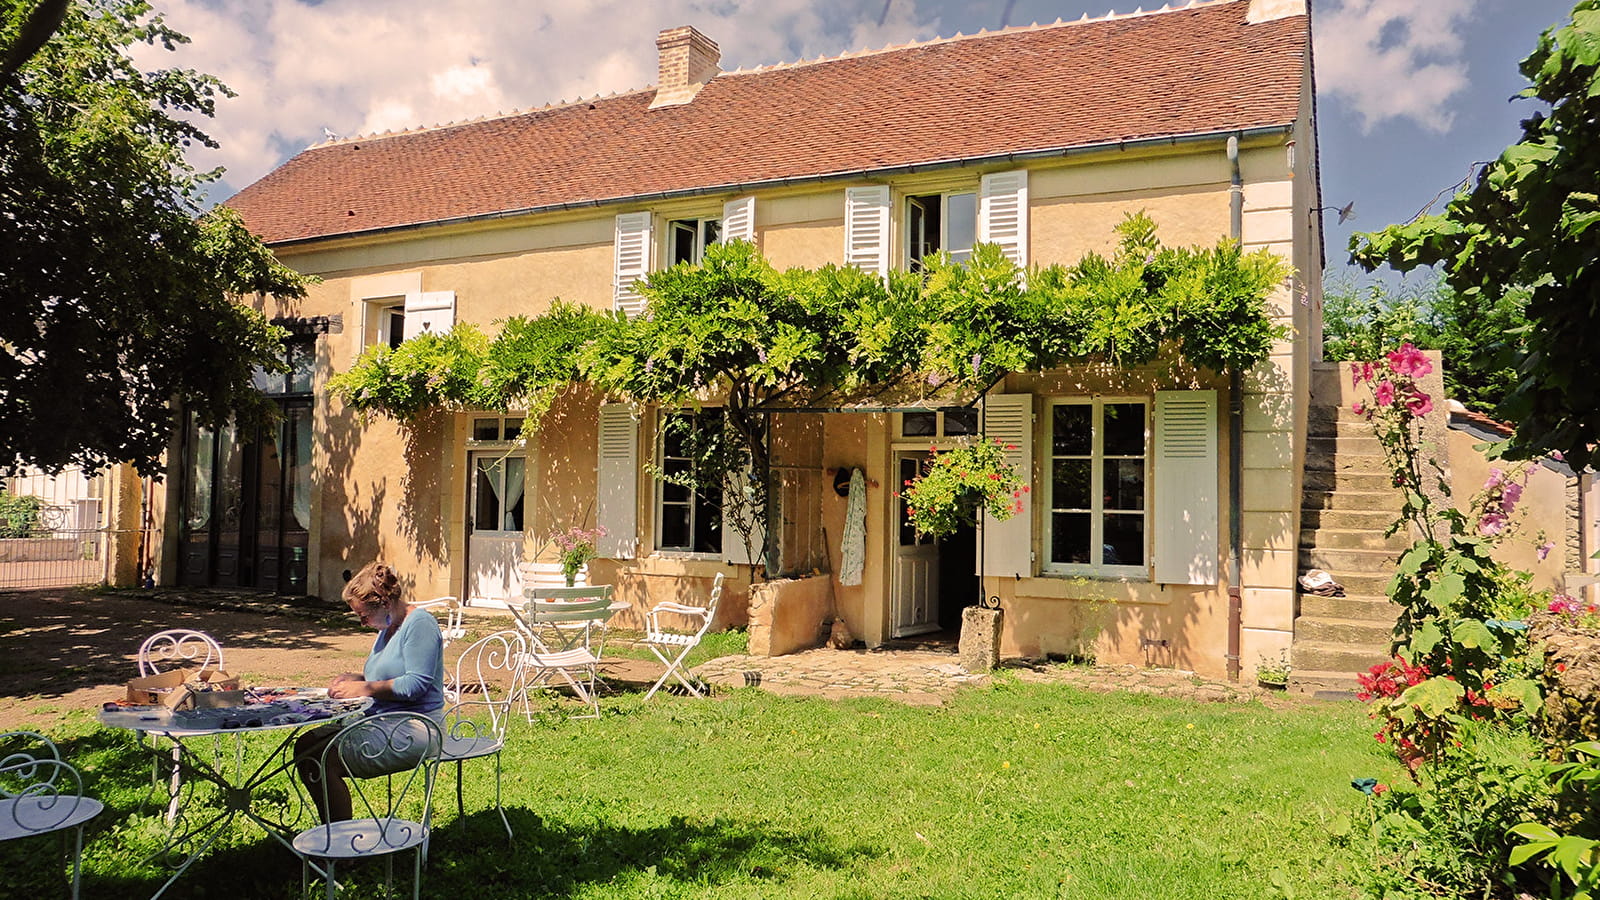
x: 1541, y: 516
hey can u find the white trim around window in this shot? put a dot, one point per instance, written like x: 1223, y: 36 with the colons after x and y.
x: 1097, y: 486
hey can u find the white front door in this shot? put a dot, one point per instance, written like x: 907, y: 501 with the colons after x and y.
x: 494, y: 527
x: 916, y: 564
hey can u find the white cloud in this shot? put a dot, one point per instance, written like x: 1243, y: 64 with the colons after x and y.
x: 1393, y: 59
x: 364, y: 66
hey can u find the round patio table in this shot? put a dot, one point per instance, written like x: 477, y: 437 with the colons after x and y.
x: 199, y: 818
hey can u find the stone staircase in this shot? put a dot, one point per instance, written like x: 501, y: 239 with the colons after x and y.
x: 1347, y: 502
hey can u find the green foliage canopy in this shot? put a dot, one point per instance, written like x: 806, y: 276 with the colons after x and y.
x: 1532, y: 222
x: 118, y: 295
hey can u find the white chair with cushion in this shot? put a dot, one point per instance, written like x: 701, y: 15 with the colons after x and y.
x: 405, y: 746
x: 488, y: 676
x: 566, y: 632
x: 672, y: 646
x: 40, y: 793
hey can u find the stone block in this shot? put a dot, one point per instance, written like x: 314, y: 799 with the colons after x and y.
x: 980, y: 639
x: 786, y: 615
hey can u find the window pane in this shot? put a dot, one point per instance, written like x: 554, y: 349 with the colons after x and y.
x: 302, y: 361
x: 1124, y: 483
x: 1124, y: 541
x: 675, y: 527
x: 960, y: 421
x: 1069, y: 537
x: 683, y: 237
x: 708, y: 525
x: 1069, y: 429
x: 266, y: 382
x: 922, y: 224
x: 486, y: 429
x: 961, y: 224
x: 918, y: 424
x: 513, y: 429
x: 710, y: 233
x: 515, y: 468
x: 486, y: 503
x: 1069, y: 487
x: 395, y: 325
x: 1124, y: 429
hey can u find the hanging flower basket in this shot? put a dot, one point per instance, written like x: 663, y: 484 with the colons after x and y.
x: 954, y: 485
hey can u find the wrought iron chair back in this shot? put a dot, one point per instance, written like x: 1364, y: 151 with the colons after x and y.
x: 179, y: 648
x: 42, y: 793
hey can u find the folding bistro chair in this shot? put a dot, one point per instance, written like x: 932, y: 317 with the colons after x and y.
x: 402, y: 745
x: 40, y: 793
x: 488, y: 676
x: 672, y: 646
x: 566, y: 632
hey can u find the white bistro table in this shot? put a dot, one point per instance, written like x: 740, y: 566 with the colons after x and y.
x: 282, y: 713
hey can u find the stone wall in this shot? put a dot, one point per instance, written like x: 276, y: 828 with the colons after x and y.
x: 786, y: 615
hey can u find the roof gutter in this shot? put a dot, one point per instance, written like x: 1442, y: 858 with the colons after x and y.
x: 1197, y: 137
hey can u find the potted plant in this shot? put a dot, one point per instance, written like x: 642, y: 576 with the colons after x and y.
x: 1273, y: 674
x: 955, y: 484
x: 576, y: 546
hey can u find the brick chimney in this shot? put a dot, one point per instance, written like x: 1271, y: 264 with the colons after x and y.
x: 688, y: 59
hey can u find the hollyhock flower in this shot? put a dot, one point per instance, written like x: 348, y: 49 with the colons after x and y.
x: 1355, y: 374
x: 1496, y: 478
x: 1545, y: 548
x: 1384, y: 393
x: 1419, y: 404
x: 1492, y: 524
x: 1358, y: 408
x: 1513, y: 494
x: 1410, y: 362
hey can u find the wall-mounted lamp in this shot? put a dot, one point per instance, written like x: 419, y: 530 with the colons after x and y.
x: 1346, y: 212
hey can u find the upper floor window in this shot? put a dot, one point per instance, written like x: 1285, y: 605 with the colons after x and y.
x: 1099, y: 468
x: 300, y: 358
x: 496, y: 428
x: 385, y: 323
x: 936, y: 222
x: 688, y: 505
x: 689, y: 238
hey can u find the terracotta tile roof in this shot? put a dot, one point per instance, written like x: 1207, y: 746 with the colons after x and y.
x: 1192, y: 70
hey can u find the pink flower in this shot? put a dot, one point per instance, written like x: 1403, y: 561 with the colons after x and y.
x: 1545, y: 548
x: 1409, y: 362
x: 1358, y: 408
x: 1384, y: 393
x: 1565, y: 605
x: 1419, y: 404
x: 1355, y: 374
x: 1492, y: 524
x: 1512, y: 495
x: 1496, y: 478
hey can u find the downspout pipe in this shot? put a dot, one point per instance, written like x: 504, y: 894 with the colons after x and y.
x: 1235, y: 440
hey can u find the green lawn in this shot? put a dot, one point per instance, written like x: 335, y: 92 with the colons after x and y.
x: 1013, y: 790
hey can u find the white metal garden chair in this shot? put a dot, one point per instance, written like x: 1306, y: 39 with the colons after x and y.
x: 179, y: 648
x: 672, y: 646
x: 566, y: 632
x: 452, y: 626
x: 40, y: 793
x: 488, y: 675
x: 405, y: 746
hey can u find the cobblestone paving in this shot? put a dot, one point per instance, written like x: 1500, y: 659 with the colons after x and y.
x: 930, y: 678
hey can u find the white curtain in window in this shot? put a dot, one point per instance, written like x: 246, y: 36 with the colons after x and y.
x: 513, y: 493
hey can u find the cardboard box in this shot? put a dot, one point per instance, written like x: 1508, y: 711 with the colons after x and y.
x: 177, y: 688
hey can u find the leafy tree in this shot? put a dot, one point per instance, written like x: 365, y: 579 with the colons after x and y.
x: 1531, y: 222
x: 1478, y: 343
x: 118, y: 296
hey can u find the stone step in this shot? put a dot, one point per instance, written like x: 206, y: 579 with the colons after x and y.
x: 1343, y: 631
x: 1325, y: 685
x: 1386, y: 500
x: 1347, y: 479
x: 1349, y: 562
x: 1377, y: 520
x: 1326, y: 538
x: 1373, y: 585
x: 1348, y: 462
x: 1365, y: 607
x: 1347, y: 444
x: 1322, y: 656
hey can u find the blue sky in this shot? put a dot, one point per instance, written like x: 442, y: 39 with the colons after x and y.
x: 1410, y: 92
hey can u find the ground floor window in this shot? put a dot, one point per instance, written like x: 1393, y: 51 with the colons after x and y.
x: 1098, y: 486
x: 688, y: 495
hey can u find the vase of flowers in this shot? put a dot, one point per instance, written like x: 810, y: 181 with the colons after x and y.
x: 955, y: 484
x: 576, y: 546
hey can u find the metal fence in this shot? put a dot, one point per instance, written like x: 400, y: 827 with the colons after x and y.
x: 66, y: 557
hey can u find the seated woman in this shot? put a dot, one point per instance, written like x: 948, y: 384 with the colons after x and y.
x: 404, y: 673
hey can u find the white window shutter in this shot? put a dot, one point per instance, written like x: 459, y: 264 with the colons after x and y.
x: 1187, y: 505
x: 866, y: 229
x: 633, y: 261
x: 733, y: 546
x: 739, y: 220
x: 430, y: 311
x: 1006, y: 548
x: 1003, y: 213
x: 617, y: 489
